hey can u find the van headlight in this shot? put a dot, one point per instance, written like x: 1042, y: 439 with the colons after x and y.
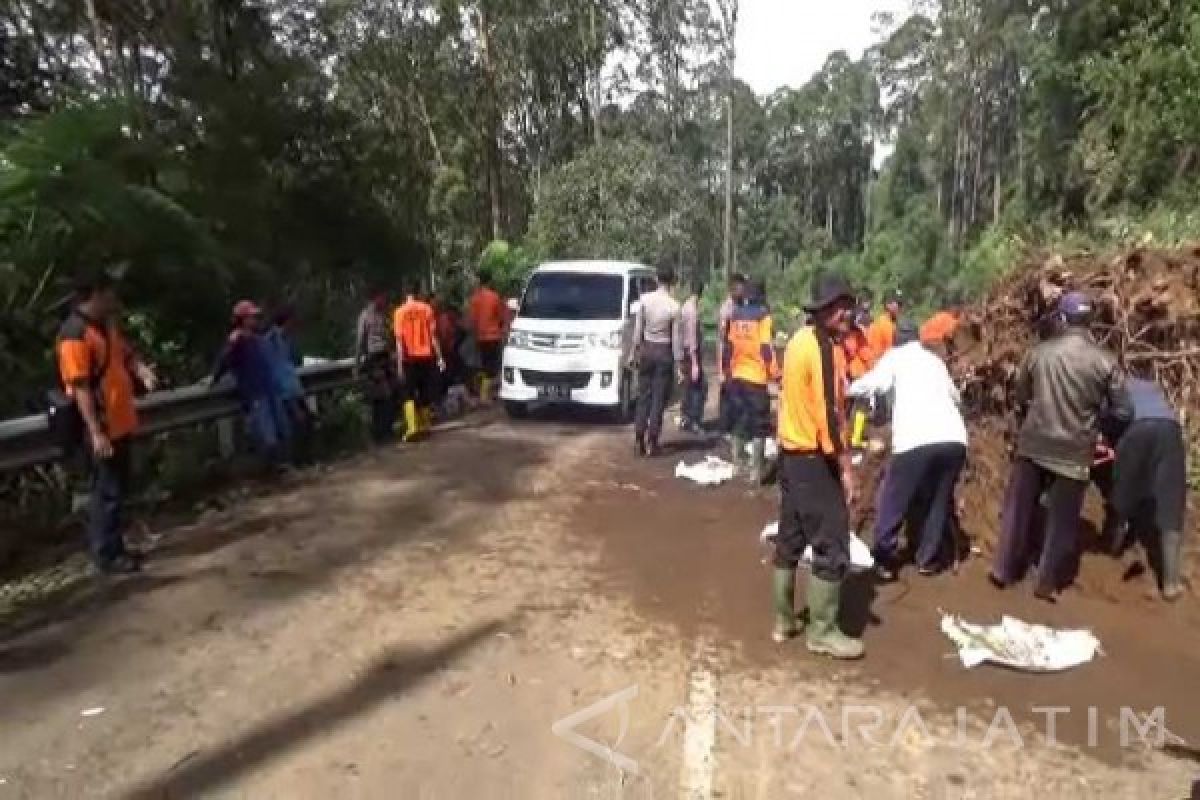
x: 518, y: 339
x: 605, y: 341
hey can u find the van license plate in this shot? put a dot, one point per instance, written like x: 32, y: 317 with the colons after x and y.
x: 554, y: 392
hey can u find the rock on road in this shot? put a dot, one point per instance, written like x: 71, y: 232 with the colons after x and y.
x: 413, y: 623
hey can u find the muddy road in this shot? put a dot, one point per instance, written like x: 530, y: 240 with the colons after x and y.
x: 522, y: 611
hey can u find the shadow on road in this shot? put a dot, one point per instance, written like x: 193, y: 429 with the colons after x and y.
x: 280, y: 546
x: 400, y: 670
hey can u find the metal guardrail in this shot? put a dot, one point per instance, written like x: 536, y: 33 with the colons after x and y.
x: 26, y: 441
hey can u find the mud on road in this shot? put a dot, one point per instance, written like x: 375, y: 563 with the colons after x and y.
x: 419, y: 622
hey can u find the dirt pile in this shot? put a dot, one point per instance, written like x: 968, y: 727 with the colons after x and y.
x: 1148, y: 312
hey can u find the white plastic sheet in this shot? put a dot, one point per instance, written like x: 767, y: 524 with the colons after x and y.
x: 1020, y: 645
x: 712, y: 471
x: 860, y: 554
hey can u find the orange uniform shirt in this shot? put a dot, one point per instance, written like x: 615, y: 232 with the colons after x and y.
x: 881, y: 336
x: 859, y: 355
x: 83, y: 348
x: 812, y: 414
x: 941, y: 327
x: 487, y: 314
x: 750, y: 338
x: 415, y: 328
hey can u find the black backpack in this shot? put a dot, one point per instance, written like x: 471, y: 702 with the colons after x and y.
x: 67, y: 428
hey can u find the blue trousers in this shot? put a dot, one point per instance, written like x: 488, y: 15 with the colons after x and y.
x: 270, y: 428
x: 109, y: 485
x: 918, y: 486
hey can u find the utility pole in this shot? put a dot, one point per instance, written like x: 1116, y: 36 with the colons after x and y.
x: 729, y: 17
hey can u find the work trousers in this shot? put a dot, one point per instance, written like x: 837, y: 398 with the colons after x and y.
x: 695, y: 395
x: 109, y: 485
x: 918, y: 486
x: 656, y: 376
x: 813, y: 512
x: 751, y: 409
x: 421, y: 381
x: 1148, y: 480
x: 379, y: 371
x: 725, y: 407
x: 1024, y: 522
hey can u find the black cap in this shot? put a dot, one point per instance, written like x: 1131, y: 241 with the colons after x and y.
x: 827, y: 290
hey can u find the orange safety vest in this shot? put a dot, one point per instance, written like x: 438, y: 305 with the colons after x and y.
x: 859, y: 356
x: 881, y: 336
x: 750, y: 331
x: 941, y: 327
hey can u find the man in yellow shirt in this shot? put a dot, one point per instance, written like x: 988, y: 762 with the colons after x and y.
x: 816, y: 479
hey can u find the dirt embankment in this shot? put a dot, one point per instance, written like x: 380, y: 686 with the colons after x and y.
x: 1148, y: 304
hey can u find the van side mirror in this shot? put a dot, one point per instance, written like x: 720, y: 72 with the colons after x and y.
x: 513, y: 305
x: 635, y: 307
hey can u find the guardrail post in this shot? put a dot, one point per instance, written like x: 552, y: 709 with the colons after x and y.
x: 226, y: 443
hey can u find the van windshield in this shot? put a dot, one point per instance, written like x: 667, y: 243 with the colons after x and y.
x: 573, y: 296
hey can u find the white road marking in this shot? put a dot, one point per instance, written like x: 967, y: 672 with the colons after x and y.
x: 700, y: 731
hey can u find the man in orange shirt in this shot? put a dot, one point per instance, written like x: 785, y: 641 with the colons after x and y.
x: 816, y: 475
x: 749, y: 354
x: 419, y: 360
x: 487, y: 317
x: 941, y: 327
x: 97, y: 370
x: 881, y: 336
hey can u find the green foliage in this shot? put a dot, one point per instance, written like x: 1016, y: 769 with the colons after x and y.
x: 509, y: 265
x: 620, y: 200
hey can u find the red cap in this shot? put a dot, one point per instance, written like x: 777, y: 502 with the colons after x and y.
x: 246, y: 308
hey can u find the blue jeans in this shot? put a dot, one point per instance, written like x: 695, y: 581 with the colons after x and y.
x: 269, y: 426
x: 109, y: 485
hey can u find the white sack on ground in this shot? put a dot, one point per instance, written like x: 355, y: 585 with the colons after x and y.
x: 860, y: 554
x: 1020, y: 645
x: 712, y: 471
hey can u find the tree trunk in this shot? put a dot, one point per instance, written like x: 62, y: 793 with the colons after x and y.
x: 728, y: 227
x: 433, y: 139
x: 594, y: 89
x: 98, y: 43
x: 491, y: 123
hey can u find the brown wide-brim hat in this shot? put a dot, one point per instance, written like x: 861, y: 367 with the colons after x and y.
x: 827, y: 290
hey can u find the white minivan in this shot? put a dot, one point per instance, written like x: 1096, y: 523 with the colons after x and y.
x: 571, y: 337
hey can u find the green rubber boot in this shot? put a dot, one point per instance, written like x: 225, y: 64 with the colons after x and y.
x: 738, y: 445
x: 783, y: 592
x: 824, y: 637
x: 758, y: 461
x: 1172, y: 561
